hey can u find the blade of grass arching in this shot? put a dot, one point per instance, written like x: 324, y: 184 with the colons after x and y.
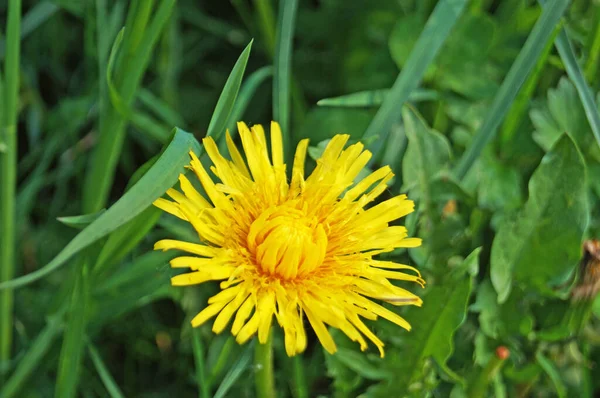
x: 8, y: 171
x: 521, y: 103
x: 160, y: 108
x: 199, y: 358
x: 235, y: 372
x: 219, y: 118
x: 138, y: 42
x: 69, y: 362
x: 42, y: 343
x: 567, y: 54
x: 436, y: 31
x: 109, y: 383
x: 282, y: 68
x: 512, y: 83
x: 161, y: 176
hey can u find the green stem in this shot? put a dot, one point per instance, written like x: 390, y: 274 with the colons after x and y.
x: 8, y: 172
x: 300, y: 386
x: 263, y: 364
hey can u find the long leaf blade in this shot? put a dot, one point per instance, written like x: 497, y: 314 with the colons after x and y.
x: 511, y: 85
x: 226, y: 101
x: 151, y: 186
x: 430, y: 41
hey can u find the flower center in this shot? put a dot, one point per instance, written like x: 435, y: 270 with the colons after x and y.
x: 286, y: 243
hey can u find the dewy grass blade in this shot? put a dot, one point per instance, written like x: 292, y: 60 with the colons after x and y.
x: 151, y: 186
x: 109, y: 383
x: 511, y: 85
x: 565, y: 50
x: 227, y: 98
x: 282, y: 65
x: 8, y: 171
x: 436, y: 31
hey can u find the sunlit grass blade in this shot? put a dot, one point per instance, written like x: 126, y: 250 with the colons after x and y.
x: 69, y: 362
x: 567, y: 54
x: 8, y: 171
x: 512, y: 83
x: 150, y: 187
x: 436, y: 31
x: 282, y: 68
x: 109, y: 383
x: 199, y: 353
x: 235, y: 372
x: 226, y: 101
x: 33, y: 358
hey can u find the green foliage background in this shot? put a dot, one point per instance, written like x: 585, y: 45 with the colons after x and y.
x: 485, y: 109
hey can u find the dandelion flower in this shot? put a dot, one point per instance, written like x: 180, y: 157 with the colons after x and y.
x: 296, y: 249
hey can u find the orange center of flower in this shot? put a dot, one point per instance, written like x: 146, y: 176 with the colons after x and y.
x: 287, y: 243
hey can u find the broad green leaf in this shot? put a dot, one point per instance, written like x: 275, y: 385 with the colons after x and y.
x: 427, y: 154
x: 562, y: 113
x: 567, y: 54
x: 226, y: 101
x: 433, y: 327
x: 423, y: 53
x: 151, y: 186
x: 82, y: 221
x: 511, y: 85
x: 374, y: 98
x: 358, y: 362
x: 541, y: 246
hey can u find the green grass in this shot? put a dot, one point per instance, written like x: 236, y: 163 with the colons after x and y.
x: 101, y: 102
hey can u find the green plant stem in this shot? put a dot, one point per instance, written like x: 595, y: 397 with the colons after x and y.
x: 480, y: 384
x: 300, y: 387
x: 8, y: 172
x: 201, y: 379
x: 263, y: 364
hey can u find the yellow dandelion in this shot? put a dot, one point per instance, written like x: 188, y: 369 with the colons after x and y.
x: 290, y: 250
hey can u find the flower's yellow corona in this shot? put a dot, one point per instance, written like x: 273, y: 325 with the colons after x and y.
x: 289, y: 250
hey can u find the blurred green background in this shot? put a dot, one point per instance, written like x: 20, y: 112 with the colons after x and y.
x: 489, y: 126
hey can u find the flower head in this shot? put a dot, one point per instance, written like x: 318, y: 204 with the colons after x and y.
x: 289, y: 250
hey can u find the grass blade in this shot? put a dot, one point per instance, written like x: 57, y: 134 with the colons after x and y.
x: 435, y: 33
x: 511, y: 85
x: 234, y: 373
x: 32, y: 358
x: 150, y: 187
x: 199, y: 359
x: 567, y: 54
x: 69, y: 363
x: 282, y: 64
x: 245, y: 96
x: 227, y: 98
x: 138, y: 41
x: 8, y: 171
x: 374, y: 98
x: 109, y: 383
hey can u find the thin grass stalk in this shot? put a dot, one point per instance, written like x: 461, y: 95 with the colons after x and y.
x: 8, y: 172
